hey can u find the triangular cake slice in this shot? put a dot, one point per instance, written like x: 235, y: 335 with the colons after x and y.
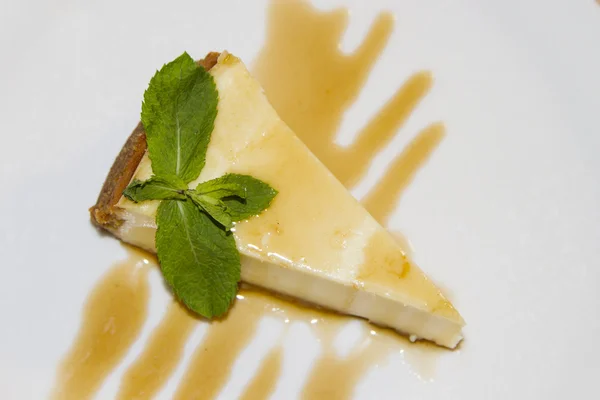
x: 315, y: 242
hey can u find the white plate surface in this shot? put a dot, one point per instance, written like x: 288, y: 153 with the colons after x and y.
x: 506, y: 213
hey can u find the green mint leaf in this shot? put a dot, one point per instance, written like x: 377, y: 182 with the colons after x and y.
x: 219, y: 189
x: 156, y: 188
x: 198, y: 259
x: 258, y: 196
x: 216, y: 208
x: 178, y: 114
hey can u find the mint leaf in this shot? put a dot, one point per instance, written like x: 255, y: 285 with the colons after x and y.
x: 155, y: 188
x: 198, y: 259
x: 258, y: 196
x: 216, y: 208
x: 232, y: 198
x: 219, y: 188
x: 178, y: 114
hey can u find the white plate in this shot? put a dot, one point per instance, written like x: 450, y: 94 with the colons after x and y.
x: 506, y: 213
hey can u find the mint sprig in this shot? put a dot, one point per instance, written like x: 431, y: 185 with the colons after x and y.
x: 195, y: 247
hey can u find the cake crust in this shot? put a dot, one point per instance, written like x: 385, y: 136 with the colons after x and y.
x: 102, y: 213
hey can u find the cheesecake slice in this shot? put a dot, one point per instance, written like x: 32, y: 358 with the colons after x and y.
x: 315, y: 242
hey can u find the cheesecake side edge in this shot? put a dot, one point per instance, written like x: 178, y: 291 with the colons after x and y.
x: 102, y: 213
